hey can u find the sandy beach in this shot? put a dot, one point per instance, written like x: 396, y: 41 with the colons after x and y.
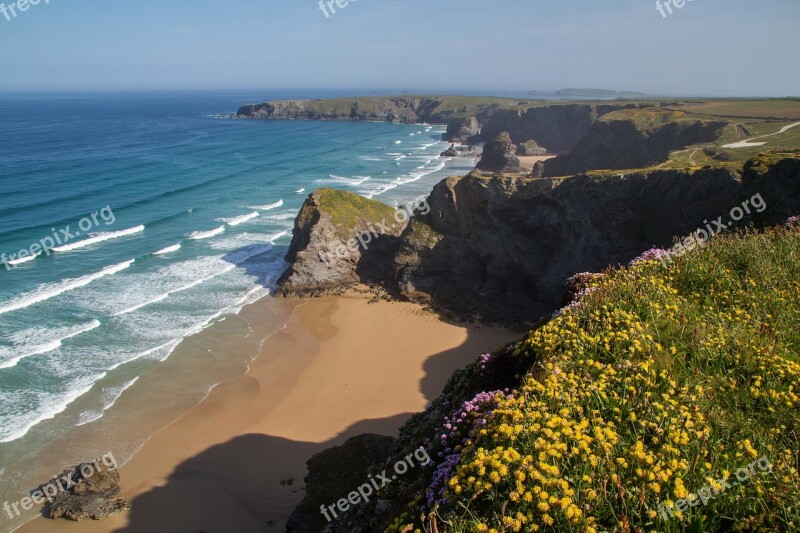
x: 527, y: 161
x: 341, y: 367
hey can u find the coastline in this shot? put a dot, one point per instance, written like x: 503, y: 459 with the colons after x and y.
x: 341, y: 367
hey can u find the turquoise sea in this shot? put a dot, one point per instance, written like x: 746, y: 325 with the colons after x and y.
x: 162, y: 217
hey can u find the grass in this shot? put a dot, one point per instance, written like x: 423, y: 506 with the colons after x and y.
x: 701, y: 155
x: 778, y: 108
x: 349, y: 210
x: 650, y: 119
x: 658, y: 385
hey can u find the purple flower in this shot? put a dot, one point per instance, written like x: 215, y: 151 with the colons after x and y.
x: 476, y: 409
x: 577, y: 301
x: 652, y: 254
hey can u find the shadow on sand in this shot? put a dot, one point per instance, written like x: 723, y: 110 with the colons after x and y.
x: 253, y: 482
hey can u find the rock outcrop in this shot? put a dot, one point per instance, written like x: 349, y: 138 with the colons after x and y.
x: 333, y: 474
x: 500, y: 249
x: 499, y: 155
x: 331, y: 234
x: 462, y: 130
x: 557, y: 127
x: 94, y: 493
x: 460, y: 151
x: 531, y: 148
x: 538, y: 170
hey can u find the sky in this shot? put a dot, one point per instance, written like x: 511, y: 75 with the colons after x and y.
x: 705, y: 48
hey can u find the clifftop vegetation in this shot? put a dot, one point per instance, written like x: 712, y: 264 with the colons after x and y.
x: 664, y: 398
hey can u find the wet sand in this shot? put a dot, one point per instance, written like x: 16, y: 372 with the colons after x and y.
x: 341, y: 367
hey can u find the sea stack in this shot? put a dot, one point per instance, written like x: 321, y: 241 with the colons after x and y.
x: 498, y: 155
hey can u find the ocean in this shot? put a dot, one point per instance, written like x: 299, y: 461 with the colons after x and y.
x: 162, y: 218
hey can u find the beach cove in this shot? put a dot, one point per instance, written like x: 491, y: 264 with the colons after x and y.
x: 342, y: 366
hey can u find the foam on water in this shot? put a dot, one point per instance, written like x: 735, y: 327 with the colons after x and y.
x: 355, y: 180
x: 95, y: 238
x: 235, y: 221
x: 23, y: 260
x: 267, y: 207
x: 166, y: 348
x: 48, y: 291
x: 36, y: 341
x: 109, y: 397
x: 279, y: 217
x: 422, y: 171
x: 189, y: 285
x: 48, y: 406
x: 168, y: 250
x: 200, y: 235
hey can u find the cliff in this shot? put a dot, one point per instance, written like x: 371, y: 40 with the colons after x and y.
x: 331, y: 236
x: 625, y: 411
x: 586, y: 135
x: 499, y: 249
x: 505, y: 249
x: 633, y: 138
x: 407, y: 109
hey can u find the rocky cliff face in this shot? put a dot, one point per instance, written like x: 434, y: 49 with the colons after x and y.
x: 464, y: 130
x: 500, y: 249
x: 558, y: 128
x: 411, y: 109
x: 588, y: 136
x: 331, y: 236
x: 503, y: 249
x: 464, y: 112
x: 637, y: 139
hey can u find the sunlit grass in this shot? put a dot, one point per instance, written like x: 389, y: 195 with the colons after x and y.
x: 663, y: 382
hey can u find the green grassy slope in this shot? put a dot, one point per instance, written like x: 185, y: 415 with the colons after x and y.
x: 665, y: 398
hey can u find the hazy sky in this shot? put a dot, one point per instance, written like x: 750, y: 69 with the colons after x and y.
x: 708, y: 47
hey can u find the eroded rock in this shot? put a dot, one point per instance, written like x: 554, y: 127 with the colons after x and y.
x: 92, y: 493
x: 499, y: 155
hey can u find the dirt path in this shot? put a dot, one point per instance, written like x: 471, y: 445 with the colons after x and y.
x: 748, y: 143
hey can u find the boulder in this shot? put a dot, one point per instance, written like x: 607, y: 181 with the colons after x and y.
x: 460, y: 151
x: 94, y: 495
x: 538, y: 170
x: 450, y: 152
x: 529, y: 148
